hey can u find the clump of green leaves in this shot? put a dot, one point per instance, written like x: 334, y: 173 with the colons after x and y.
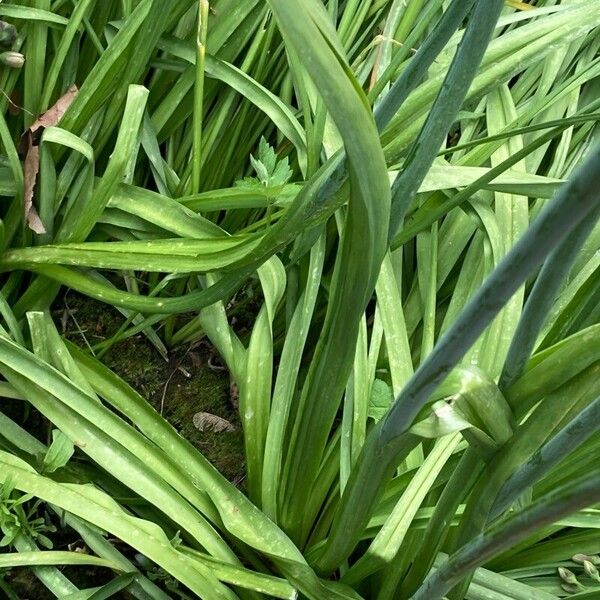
x: 416, y: 379
x: 19, y: 516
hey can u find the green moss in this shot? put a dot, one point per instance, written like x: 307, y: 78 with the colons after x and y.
x: 178, y: 388
x: 207, y: 391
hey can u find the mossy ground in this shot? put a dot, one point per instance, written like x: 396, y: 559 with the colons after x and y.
x: 190, y: 381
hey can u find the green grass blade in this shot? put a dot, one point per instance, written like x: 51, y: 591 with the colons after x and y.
x: 416, y: 70
x: 255, y: 387
x: 362, y: 250
x: 286, y: 382
x: 53, y: 557
x: 575, y: 433
x: 540, y: 300
x: 445, y: 108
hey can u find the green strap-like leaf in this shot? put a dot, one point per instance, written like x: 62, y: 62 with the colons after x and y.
x: 582, y: 492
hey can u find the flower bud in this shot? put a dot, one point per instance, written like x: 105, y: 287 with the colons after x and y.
x: 591, y: 571
x: 12, y: 59
x: 567, y: 576
x: 581, y: 558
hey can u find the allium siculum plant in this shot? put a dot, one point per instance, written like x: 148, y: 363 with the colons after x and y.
x: 406, y: 194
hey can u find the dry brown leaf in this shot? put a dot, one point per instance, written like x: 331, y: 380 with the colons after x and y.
x: 29, y: 144
x: 30, y: 171
x: 208, y: 422
x: 55, y: 113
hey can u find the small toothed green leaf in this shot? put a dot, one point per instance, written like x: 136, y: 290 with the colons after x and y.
x: 381, y: 399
